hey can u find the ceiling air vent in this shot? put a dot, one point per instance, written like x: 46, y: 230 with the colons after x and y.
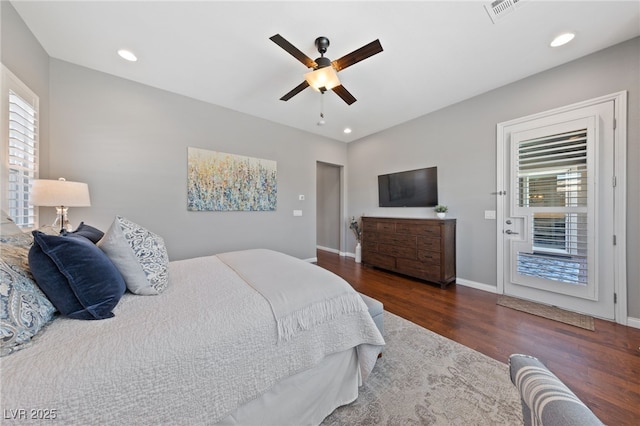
x: 498, y: 9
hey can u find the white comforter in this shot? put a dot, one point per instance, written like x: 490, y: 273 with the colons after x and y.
x: 190, y: 355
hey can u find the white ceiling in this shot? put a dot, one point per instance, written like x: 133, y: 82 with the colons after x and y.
x: 436, y: 53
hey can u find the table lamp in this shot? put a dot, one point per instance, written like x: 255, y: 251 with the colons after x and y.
x: 60, y: 194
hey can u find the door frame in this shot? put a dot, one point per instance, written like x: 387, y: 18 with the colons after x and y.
x: 620, y: 198
x: 340, y: 208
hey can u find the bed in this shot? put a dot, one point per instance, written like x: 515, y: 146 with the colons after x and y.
x: 246, y: 337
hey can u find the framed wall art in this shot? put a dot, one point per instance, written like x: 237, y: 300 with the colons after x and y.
x: 219, y: 181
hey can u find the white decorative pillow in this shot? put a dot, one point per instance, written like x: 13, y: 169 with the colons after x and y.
x: 139, y: 254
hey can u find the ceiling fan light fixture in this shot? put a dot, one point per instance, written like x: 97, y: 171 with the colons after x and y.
x: 322, y: 79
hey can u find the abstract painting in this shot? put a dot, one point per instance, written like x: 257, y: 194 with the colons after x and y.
x: 226, y: 182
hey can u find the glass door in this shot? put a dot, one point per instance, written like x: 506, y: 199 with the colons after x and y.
x: 557, y: 212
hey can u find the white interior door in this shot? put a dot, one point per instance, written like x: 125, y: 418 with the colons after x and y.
x: 557, y: 215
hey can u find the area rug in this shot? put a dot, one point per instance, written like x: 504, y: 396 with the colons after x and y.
x: 550, y: 312
x: 423, y: 378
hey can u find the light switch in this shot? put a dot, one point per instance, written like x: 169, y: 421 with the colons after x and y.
x: 297, y: 212
x: 490, y: 214
x: 301, y: 197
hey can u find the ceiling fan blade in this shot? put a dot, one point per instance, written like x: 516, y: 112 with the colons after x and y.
x: 357, y: 55
x: 299, y: 88
x: 293, y: 51
x: 344, y: 94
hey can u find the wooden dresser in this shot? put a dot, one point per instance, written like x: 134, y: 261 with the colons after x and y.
x: 420, y: 248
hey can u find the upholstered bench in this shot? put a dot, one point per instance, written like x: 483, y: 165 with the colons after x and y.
x: 545, y: 399
x: 375, y: 310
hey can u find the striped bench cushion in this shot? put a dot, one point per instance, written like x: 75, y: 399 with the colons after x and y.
x: 545, y: 399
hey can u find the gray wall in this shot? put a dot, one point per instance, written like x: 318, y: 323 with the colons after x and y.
x: 328, y: 208
x: 461, y: 141
x: 23, y: 55
x: 129, y: 143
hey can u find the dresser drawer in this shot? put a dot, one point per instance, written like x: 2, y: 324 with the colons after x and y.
x: 420, y: 229
x: 419, y: 269
x: 432, y: 244
x: 379, y: 260
x: 386, y: 227
x: 429, y: 257
x: 369, y: 245
x: 398, y: 251
x: 395, y: 239
x: 369, y: 226
x: 378, y: 226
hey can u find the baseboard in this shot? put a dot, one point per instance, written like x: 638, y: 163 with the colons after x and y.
x: 477, y: 285
x: 330, y: 250
x: 334, y: 251
x: 633, y: 322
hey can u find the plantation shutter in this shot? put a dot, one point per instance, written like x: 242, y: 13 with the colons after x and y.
x: 540, y: 166
x: 21, y: 151
x: 552, y: 179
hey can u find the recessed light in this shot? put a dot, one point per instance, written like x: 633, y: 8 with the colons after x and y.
x: 347, y: 130
x: 127, y: 54
x: 562, y: 39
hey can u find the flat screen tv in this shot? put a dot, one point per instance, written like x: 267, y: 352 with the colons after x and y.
x: 413, y: 188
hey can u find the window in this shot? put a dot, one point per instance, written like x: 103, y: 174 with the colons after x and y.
x: 552, y: 183
x: 19, y: 149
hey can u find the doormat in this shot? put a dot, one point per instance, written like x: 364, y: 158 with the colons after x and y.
x: 550, y: 312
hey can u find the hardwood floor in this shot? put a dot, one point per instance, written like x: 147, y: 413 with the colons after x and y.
x: 602, y: 367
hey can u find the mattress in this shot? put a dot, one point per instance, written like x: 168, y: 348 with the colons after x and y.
x: 194, y: 354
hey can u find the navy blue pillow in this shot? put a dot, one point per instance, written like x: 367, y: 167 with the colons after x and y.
x: 89, y: 232
x: 77, y: 277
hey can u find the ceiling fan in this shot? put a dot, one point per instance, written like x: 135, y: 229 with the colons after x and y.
x: 324, y: 75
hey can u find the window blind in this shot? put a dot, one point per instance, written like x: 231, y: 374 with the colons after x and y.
x: 22, y: 156
x: 552, y: 182
x: 552, y: 171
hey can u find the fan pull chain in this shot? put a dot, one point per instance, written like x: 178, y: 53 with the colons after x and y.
x: 321, y: 122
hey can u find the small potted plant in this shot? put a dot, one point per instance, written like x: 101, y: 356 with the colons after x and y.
x: 441, y: 210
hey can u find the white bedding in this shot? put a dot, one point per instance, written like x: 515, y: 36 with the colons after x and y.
x: 307, y: 397
x: 191, y: 355
x: 300, y: 294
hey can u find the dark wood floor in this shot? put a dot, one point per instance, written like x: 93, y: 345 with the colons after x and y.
x: 601, y: 367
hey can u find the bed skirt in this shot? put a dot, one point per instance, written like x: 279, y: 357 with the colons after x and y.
x: 332, y: 383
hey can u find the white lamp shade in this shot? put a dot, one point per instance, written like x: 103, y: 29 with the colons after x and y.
x: 325, y: 77
x: 45, y: 192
